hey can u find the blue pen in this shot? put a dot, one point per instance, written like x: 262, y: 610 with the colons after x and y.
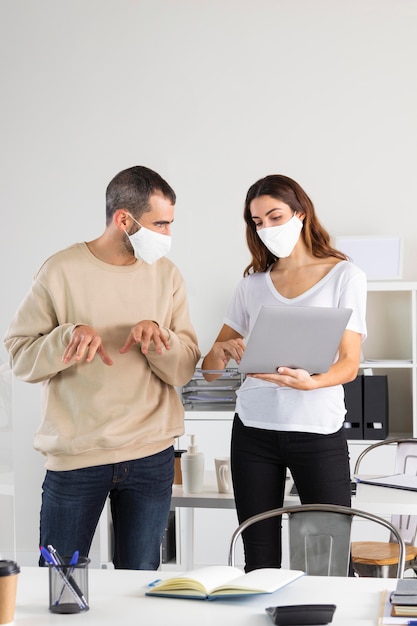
x: 74, y: 558
x: 154, y: 582
x: 52, y: 560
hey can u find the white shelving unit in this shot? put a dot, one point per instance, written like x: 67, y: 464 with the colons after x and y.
x: 391, y: 349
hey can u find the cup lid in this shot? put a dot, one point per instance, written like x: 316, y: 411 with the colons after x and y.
x: 8, y: 568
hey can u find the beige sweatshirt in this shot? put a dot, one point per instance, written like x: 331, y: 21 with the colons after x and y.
x: 92, y: 413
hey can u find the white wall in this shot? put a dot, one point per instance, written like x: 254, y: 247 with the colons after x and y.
x: 213, y: 94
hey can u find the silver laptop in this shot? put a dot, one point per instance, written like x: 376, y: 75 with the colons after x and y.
x: 297, y: 337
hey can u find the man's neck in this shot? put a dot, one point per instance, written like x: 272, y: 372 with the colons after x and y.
x: 110, y: 251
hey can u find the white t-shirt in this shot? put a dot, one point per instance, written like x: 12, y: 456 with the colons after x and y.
x: 266, y: 405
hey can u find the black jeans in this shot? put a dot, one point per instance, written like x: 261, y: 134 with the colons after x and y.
x: 318, y: 463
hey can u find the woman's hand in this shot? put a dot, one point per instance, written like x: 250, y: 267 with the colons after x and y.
x: 288, y: 377
x: 228, y: 345
x: 226, y: 350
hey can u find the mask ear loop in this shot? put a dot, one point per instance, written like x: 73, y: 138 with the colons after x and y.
x: 136, y: 222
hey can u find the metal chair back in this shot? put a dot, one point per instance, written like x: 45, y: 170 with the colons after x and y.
x: 405, y: 463
x: 319, y: 537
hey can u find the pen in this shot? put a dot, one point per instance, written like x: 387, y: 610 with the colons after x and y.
x: 52, y: 560
x: 55, y: 555
x: 73, y: 561
x: 154, y: 582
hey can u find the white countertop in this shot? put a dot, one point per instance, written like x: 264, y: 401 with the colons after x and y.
x: 117, y: 597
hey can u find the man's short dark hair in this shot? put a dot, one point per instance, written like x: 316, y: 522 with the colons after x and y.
x: 131, y: 189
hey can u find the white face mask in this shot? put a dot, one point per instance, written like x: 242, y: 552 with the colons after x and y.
x: 148, y: 245
x: 280, y: 240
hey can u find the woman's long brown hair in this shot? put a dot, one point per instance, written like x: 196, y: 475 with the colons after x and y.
x: 315, y: 236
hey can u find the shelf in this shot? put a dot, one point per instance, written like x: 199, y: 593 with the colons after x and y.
x: 391, y: 347
x: 387, y: 364
x: 391, y: 285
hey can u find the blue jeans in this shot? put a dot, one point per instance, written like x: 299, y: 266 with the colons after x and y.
x: 140, y: 498
x: 319, y: 465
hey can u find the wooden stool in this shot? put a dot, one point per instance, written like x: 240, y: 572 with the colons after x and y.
x: 379, y: 559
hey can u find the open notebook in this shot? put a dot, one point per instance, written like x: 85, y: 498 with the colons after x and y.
x: 221, y: 581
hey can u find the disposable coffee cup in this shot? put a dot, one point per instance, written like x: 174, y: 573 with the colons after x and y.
x: 8, y: 586
x: 68, y: 586
x: 177, y: 467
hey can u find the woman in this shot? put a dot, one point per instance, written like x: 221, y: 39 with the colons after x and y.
x: 288, y: 419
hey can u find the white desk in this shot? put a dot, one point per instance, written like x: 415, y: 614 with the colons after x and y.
x: 378, y: 500
x: 117, y: 597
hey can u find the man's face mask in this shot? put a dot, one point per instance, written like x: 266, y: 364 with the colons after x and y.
x: 148, y: 245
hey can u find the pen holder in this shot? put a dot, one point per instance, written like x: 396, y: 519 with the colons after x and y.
x: 68, y: 586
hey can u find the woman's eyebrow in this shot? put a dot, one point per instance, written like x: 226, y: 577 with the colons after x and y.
x: 267, y: 213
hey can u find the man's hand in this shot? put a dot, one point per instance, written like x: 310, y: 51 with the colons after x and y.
x: 85, y: 340
x: 144, y: 332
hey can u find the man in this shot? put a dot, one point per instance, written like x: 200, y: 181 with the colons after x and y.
x: 106, y: 329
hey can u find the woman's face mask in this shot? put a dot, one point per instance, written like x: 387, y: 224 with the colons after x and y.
x: 280, y: 240
x: 148, y: 245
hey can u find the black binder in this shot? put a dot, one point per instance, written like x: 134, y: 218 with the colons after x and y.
x: 354, y: 408
x: 366, y: 400
x: 375, y: 407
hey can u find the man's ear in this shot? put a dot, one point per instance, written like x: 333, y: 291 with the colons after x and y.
x: 120, y: 218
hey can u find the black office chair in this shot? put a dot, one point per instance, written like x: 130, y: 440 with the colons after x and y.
x: 319, y: 537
